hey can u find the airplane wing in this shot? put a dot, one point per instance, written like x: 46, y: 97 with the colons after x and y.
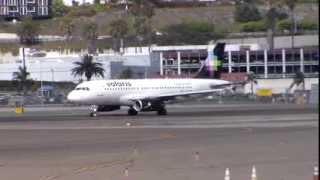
x: 169, y: 96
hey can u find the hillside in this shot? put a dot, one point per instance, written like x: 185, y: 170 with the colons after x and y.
x: 221, y: 15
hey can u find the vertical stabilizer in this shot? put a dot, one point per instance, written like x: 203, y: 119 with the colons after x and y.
x: 212, y: 66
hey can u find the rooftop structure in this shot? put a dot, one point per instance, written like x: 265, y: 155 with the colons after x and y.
x: 20, y: 8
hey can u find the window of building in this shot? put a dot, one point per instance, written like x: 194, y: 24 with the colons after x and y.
x: 13, y: 8
x: 315, y: 55
x: 242, y: 58
x: 253, y: 57
x: 31, y: 9
x: 235, y: 57
x: 270, y: 57
x: 278, y: 57
x: 315, y: 69
x: 297, y: 55
x: 289, y: 69
x: 308, y: 69
x: 307, y: 55
x: 271, y: 70
x: 279, y: 69
x: 243, y: 69
x: 260, y: 56
x: 289, y: 56
x: 296, y: 69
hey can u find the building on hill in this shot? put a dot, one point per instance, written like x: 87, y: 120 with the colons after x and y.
x: 12, y: 9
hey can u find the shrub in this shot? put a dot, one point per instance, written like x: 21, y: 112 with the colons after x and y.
x: 246, y: 12
x: 59, y: 9
x: 193, y: 32
x: 284, y: 25
x: 86, y: 11
x: 308, y: 25
x: 254, y: 26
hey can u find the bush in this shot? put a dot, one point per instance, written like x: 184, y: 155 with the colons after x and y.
x: 305, y: 25
x: 284, y: 25
x: 59, y: 9
x: 308, y: 25
x: 246, y: 12
x: 193, y: 32
x: 86, y: 11
x: 254, y: 26
x: 99, y: 7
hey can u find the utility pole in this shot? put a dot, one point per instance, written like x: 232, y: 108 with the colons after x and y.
x: 23, y: 59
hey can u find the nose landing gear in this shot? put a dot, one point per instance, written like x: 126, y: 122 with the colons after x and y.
x: 94, y: 111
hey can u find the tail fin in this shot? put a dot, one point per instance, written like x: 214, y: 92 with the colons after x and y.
x: 212, y: 66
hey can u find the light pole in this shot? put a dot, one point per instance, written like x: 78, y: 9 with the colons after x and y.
x: 40, y: 74
x: 52, y: 76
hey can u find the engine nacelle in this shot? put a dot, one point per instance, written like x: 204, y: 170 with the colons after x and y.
x: 137, y: 105
x: 106, y: 108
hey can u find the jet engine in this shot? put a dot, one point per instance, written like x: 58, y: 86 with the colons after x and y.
x: 137, y: 105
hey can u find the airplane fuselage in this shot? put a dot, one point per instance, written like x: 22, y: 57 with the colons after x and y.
x: 122, y: 92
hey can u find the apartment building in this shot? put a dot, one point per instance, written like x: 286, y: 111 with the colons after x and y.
x: 20, y: 8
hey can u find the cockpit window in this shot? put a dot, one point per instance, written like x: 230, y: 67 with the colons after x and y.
x: 82, y: 88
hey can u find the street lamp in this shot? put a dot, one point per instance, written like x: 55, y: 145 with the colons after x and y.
x: 41, y: 82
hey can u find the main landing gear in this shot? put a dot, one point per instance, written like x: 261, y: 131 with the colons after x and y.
x: 162, y: 111
x: 132, y: 112
x: 159, y: 108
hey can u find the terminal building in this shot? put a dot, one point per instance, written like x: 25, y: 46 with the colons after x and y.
x: 20, y: 8
x: 274, y: 69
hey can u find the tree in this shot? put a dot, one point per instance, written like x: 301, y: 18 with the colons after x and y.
x: 126, y: 74
x: 143, y: 29
x: 142, y: 8
x: 252, y: 79
x: 191, y: 32
x: 143, y: 11
x: 246, y: 12
x: 59, y: 9
x: 90, y: 34
x: 22, y: 77
x: 119, y: 30
x: 297, y: 80
x: 28, y: 32
x: 88, y: 68
x: 67, y: 27
x: 292, y: 5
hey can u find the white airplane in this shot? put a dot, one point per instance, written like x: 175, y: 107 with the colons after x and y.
x: 142, y: 95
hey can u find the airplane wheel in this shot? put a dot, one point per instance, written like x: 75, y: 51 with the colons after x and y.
x: 162, y: 112
x: 132, y: 112
x: 93, y: 114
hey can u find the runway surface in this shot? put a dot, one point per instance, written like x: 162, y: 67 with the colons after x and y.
x: 192, y: 142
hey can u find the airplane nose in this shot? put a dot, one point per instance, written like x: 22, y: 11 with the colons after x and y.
x: 72, y: 97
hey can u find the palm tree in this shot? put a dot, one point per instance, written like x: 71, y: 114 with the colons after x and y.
x: 28, y: 32
x: 22, y: 77
x: 291, y: 5
x: 251, y: 78
x: 297, y: 80
x: 87, y: 67
x: 119, y: 30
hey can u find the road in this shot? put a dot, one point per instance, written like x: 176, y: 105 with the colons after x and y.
x: 192, y: 142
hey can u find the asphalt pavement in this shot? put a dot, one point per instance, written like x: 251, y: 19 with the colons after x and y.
x: 193, y: 142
